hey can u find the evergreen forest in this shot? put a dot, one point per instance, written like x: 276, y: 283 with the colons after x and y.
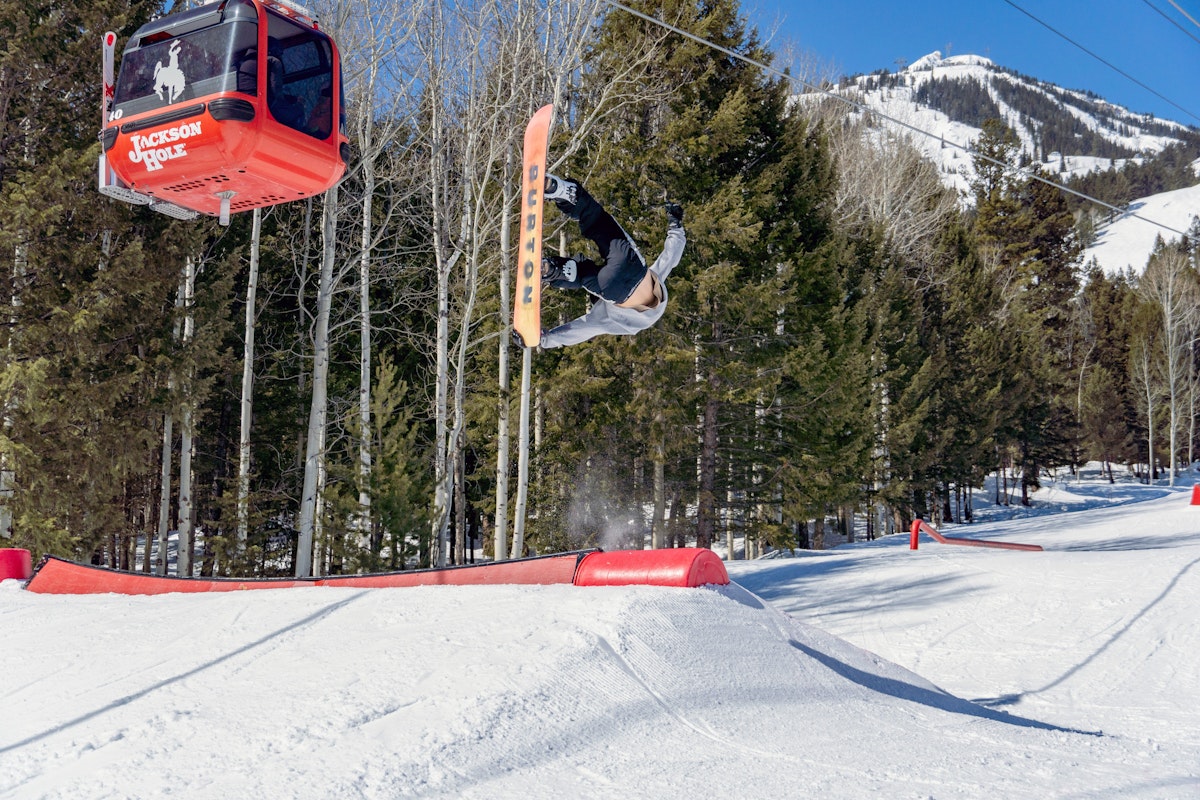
x: 331, y: 386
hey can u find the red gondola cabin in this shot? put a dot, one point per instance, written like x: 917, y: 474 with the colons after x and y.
x: 228, y: 107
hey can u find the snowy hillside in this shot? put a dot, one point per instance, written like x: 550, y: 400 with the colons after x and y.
x: 986, y: 673
x: 1127, y: 241
x: 1067, y: 132
x: 1108, y: 127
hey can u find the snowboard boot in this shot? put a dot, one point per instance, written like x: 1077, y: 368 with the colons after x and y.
x: 559, y: 268
x: 559, y: 190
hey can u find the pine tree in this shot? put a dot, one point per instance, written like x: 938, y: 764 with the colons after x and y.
x: 1108, y: 415
x: 1028, y: 233
x: 88, y: 333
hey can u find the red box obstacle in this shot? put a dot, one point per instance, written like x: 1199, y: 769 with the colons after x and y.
x: 15, y: 563
x: 1196, y: 495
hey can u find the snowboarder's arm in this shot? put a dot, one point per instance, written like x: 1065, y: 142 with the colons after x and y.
x: 577, y: 330
x: 671, y: 253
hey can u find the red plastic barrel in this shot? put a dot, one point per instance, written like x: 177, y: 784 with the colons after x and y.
x: 15, y: 563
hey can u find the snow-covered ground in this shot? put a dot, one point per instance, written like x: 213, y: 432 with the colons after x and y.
x: 1128, y: 241
x: 865, y: 671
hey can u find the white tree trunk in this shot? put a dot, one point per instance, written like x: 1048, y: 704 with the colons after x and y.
x: 19, y: 272
x: 314, y: 450
x: 320, y: 542
x: 1143, y: 372
x: 164, y: 506
x: 7, y: 476
x: 502, y: 432
x: 657, y: 524
x: 243, y: 499
x: 364, y: 355
x: 1170, y: 283
x: 183, y: 564
x: 518, y: 548
x: 443, y: 261
x: 164, y: 503
x: 441, y: 473
x: 1193, y: 385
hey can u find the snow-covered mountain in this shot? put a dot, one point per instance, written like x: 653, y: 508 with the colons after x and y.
x: 1067, y: 131
x: 940, y: 104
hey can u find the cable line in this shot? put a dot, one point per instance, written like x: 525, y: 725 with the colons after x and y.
x: 1167, y: 17
x: 867, y: 110
x: 1181, y: 11
x: 1116, y: 69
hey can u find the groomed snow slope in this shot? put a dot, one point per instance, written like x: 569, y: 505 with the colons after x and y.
x: 1128, y: 241
x: 1082, y: 659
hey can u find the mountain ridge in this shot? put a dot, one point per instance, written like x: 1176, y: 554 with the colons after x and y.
x: 1076, y: 138
x: 948, y: 98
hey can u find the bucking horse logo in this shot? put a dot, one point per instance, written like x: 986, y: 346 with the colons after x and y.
x: 169, y: 77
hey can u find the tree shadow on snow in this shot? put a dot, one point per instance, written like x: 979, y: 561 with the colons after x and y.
x: 1161, y: 542
x: 123, y: 701
x: 799, y: 586
x: 927, y: 697
x: 1010, y: 699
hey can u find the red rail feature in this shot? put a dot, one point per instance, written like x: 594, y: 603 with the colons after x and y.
x: 687, y: 567
x: 57, y: 576
x: 920, y: 525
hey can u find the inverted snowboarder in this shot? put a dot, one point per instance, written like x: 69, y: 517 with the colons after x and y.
x: 631, y: 296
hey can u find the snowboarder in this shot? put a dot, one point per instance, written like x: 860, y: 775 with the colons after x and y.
x: 630, y: 296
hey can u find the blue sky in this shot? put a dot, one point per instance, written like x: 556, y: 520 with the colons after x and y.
x: 861, y: 36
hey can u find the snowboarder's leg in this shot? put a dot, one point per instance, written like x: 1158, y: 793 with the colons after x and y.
x: 562, y: 272
x: 623, y: 268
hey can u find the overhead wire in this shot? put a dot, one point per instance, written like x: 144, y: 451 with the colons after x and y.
x: 867, y: 110
x: 1186, y: 14
x: 1103, y: 61
x: 1168, y: 18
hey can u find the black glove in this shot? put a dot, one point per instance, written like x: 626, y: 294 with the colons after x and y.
x: 674, y: 215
